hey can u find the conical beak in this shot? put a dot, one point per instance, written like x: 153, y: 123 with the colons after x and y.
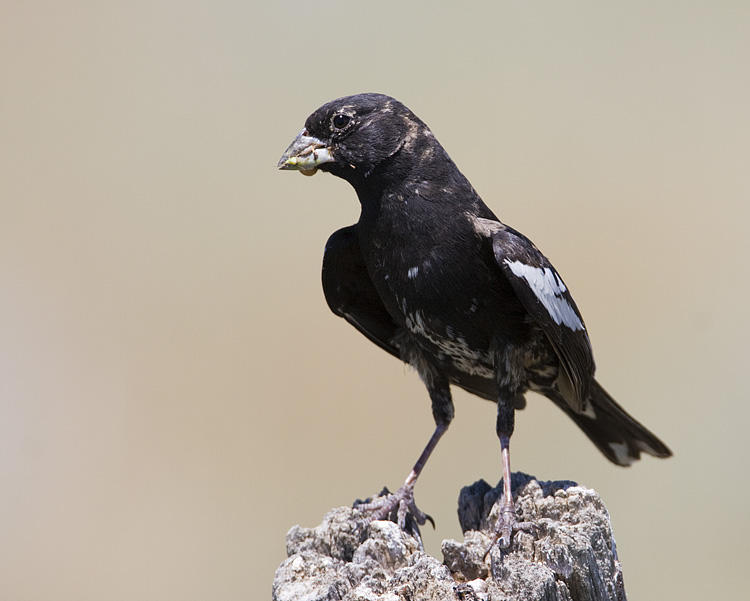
x: 305, y: 154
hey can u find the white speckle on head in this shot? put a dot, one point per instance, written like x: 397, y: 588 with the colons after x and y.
x: 548, y: 288
x: 474, y: 305
x: 412, y: 132
x: 413, y: 272
x: 620, y: 449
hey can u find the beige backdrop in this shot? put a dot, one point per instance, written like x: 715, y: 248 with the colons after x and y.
x: 174, y: 393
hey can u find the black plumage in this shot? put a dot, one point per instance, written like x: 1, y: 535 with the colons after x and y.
x: 433, y: 277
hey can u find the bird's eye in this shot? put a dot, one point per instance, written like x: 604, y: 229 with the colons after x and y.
x: 341, y: 121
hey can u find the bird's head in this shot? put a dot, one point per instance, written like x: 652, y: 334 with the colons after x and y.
x: 351, y: 136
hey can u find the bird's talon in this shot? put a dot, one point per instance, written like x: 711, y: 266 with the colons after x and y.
x: 400, y: 508
x: 507, y: 523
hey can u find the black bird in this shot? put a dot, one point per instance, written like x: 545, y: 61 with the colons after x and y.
x: 432, y: 276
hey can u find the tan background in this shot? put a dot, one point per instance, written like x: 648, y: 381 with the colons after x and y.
x: 174, y: 393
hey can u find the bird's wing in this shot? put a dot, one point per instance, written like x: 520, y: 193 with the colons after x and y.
x: 544, y: 295
x: 351, y: 294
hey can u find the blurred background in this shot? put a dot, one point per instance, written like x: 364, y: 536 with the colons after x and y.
x: 175, y: 394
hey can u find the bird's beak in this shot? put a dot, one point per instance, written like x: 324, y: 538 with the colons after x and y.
x: 306, y: 153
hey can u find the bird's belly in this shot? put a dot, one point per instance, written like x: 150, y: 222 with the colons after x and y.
x: 453, y: 308
x: 447, y: 346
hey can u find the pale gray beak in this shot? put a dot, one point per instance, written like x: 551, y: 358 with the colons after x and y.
x: 305, y: 154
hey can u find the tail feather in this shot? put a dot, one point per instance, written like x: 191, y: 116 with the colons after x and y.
x: 615, y: 433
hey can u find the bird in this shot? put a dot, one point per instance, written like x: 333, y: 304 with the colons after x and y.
x: 432, y: 276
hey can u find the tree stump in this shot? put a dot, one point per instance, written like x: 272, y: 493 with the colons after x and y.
x: 570, y: 557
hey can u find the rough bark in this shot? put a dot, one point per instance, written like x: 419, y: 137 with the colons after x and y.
x: 570, y: 557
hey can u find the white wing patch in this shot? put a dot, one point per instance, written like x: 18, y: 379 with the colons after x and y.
x: 548, y: 288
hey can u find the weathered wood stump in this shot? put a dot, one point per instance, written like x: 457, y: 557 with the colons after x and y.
x: 571, y: 556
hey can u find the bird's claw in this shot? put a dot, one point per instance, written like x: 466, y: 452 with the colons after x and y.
x: 398, y: 507
x: 507, y: 523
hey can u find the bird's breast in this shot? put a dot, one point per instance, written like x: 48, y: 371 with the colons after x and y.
x: 434, y: 278
x: 441, y: 303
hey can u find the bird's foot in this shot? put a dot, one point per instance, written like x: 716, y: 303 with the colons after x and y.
x: 507, y: 523
x: 397, y: 507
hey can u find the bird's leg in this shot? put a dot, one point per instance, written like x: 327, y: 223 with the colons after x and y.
x: 507, y: 521
x: 402, y: 501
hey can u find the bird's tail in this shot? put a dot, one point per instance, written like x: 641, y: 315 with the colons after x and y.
x: 615, y: 433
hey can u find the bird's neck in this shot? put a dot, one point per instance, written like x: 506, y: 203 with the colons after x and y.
x: 409, y: 191
x: 414, y: 211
